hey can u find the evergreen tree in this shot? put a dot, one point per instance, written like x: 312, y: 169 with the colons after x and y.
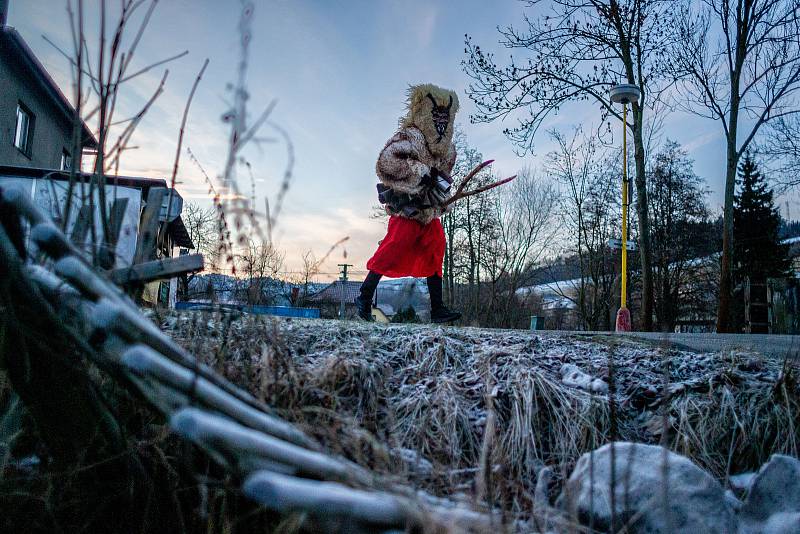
x: 758, y: 252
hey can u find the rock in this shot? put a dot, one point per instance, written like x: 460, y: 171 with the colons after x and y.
x: 690, y: 501
x: 572, y: 376
x: 541, y: 501
x: 740, y: 484
x: 782, y: 523
x: 775, y: 491
x: 733, y: 500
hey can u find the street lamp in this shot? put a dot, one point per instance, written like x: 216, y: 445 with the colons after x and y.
x: 624, y: 94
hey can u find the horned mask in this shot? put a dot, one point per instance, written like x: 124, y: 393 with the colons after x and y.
x: 432, y: 110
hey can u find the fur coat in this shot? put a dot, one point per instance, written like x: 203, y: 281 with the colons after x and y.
x: 415, y: 164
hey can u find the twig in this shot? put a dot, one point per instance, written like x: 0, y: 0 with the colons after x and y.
x: 180, y: 135
x: 461, y: 194
x: 153, y: 65
x: 287, y: 178
x: 118, y: 147
x: 471, y: 174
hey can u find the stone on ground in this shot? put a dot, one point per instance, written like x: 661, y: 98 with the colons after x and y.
x: 774, y: 497
x: 691, y: 500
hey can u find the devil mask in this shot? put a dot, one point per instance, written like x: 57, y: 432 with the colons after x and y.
x: 432, y: 110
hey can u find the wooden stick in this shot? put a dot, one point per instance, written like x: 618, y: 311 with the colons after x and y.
x: 109, y: 316
x: 23, y: 203
x: 230, y: 438
x: 158, y: 269
x: 86, y: 280
x: 460, y: 194
x: 285, y: 493
x: 478, y: 168
x: 51, y: 240
x: 376, y: 508
x: 145, y: 362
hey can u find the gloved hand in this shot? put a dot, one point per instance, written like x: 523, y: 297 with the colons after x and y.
x: 385, y: 194
x: 429, y: 180
x: 436, y: 178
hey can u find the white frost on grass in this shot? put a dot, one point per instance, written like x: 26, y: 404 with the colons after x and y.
x: 412, y: 402
x: 573, y: 377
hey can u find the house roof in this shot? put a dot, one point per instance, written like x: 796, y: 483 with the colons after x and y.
x: 125, y: 181
x: 179, y: 233
x: 12, y: 43
x: 333, y: 292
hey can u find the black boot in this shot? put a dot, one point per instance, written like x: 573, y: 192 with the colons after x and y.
x: 439, y: 312
x: 363, y: 302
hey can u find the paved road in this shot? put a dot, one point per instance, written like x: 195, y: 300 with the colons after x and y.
x: 779, y: 346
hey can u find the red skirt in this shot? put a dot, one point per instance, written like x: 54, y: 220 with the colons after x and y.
x: 410, y: 249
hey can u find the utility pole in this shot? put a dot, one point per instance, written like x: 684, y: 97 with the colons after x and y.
x: 343, y: 279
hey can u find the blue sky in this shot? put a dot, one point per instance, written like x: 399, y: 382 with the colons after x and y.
x: 339, y: 70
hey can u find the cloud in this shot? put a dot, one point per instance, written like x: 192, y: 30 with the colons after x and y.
x: 700, y: 141
x: 425, y: 24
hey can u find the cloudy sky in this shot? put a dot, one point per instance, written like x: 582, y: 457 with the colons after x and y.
x: 339, y: 70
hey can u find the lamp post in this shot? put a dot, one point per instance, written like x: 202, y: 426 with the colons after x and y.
x: 624, y: 94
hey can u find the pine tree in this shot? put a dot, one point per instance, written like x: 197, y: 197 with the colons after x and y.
x: 758, y: 252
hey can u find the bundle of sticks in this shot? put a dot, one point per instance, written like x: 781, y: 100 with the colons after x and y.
x: 461, y: 191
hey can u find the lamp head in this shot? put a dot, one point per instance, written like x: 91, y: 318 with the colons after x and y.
x: 624, y: 93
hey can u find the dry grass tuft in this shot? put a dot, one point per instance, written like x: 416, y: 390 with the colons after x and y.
x: 412, y: 402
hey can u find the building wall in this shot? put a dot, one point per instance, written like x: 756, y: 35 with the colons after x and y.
x: 52, y: 133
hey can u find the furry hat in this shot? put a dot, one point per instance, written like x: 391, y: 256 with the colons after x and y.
x: 433, y: 110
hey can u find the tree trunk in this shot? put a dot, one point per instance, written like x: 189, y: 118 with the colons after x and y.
x: 478, y: 258
x: 645, y: 250
x: 472, y: 260
x: 726, y: 267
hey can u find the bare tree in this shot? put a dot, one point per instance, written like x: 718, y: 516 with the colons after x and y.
x: 201, y: 225
x: 524, y: 213
x: 780, y: 149
x: 589, y: 215
x: 97, y: 96
x: 310, y: 268
x: 575, y: 53
x: 466, y: 226
x: 740, y: 65
x: 259, y: 262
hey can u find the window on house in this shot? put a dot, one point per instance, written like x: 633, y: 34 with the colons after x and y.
x: 24, y: 132
x: 66, y: 160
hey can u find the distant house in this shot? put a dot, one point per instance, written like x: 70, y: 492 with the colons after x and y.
x: 36, y: 119
x: 556, y: 299
x: 329, y: 299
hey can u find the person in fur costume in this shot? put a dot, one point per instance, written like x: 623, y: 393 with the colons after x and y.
x: 414, y: 171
